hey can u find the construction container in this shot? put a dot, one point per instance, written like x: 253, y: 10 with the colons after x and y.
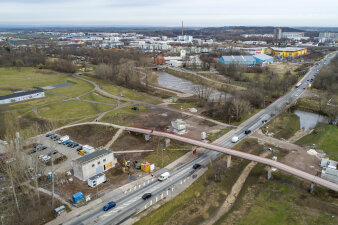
x: 96, y: 180
x: 77, y: 197
x: 145, y: 167
x: 88, y: 149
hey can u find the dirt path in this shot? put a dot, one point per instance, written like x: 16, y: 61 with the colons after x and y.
x: 299, y: 134
x: 235, y: 190
x: 116, y: 136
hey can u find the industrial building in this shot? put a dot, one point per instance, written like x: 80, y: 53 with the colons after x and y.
x: 92, y: 164
x: 22, y: 96
x: 288, y: 51
x: 237, y: 59
x: 263, y: 59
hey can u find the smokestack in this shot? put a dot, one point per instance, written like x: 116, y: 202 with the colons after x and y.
x: 182, y: 27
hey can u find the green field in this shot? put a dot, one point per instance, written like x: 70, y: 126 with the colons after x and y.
x: 283, y: 126
x: 118, y: 115
x: 130, y: 94
x: 80, y: 87
x: 37, y: 102
x: 215, y: 136
x: 72, y: 109
x: 24, y: 78
x: 183, y: 105
x: 325, y: 137
x: 94, y: 96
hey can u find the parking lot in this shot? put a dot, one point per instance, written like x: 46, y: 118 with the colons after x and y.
x: 51, y: 145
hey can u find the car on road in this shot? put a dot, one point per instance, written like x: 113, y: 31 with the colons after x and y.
x: 304, y: 88
x: 146, y: 196
x: 247, y: 131
x: 109, y: 205
x: 264, y: 121
x: 234, y: 139
x: 196, y: 166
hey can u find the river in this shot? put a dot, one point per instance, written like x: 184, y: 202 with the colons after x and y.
x: 310, y: 120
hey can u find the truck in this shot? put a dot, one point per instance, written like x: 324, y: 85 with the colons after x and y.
x: 164, y: 176
x: 234, y: 139
x: 64, y: 138
x: 96, y: 180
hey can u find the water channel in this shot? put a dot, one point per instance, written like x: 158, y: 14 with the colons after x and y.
x: 310, y: 120
x: 180, y: 84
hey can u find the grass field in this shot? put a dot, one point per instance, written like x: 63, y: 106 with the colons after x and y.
x: 167, y: 155
x: 130, y: 94
x: 79, y: 87
x: 117, y: 116
x: 282, y: 200
x: 283, y: 126
x: 24, y: 78
x: 183, y: 105
x: 72, y: 109
x: 37, y: 102
x: 325, y: 137
x: 245, y: 117
x: 215, y: 136
x: 94, y: 96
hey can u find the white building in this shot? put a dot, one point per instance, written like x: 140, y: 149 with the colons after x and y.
x: 330, y: 170
x: 294, y: 35
x: 94, y: 163
x: 179, y: 126
x: 22, y: 96
x: 185, y: 38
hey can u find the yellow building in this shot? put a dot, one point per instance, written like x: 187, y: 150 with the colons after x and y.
x: 288, y: 51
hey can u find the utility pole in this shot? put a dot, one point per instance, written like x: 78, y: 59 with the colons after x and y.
x: 52, y: 182
x: 12, y: 183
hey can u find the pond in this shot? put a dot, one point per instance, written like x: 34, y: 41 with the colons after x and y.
x: 310, y: 120
x: 180, y: 84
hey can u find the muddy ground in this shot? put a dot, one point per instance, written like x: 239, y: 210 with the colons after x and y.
x: 93, y: 135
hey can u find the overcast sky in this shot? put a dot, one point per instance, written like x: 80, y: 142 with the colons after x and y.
x: 169, y: 13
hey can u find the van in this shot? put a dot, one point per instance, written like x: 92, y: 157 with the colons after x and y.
x: 164, y: 176
x: 234, y: 139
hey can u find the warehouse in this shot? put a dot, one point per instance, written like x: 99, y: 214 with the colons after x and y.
x: 93, y: 163
x: 288, y: 52
x: 238, y: 59
x: 263, y: 59
x: 22, y: 96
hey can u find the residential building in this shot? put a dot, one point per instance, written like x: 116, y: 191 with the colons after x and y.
x: 22, y: 96
x: 94, y: 163
x: 278, y: 33
x: 294, y: 35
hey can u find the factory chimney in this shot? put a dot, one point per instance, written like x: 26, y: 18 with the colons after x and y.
x: 182, y: 28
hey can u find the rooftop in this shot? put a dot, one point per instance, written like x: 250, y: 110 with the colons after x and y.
x: 91, y: 156
x: 21, y: 93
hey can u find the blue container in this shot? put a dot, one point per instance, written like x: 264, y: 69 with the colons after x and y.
x: 77, y: 196
x: 50, y: 175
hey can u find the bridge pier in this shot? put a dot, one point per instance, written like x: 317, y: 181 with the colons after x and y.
x: 312, y: 187
x: 269, y: 173
x: 228, y: 161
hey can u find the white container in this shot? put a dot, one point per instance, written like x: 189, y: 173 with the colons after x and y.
x: 88, y: 148
x: 203, y: 135
x: 64, y: 138
x: 96, y: 180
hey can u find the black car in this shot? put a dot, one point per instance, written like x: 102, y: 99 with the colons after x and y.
x: 146, y: 196
x: 42, y: 147
x: 70, y: 144
x: 79, y: 148
x: 196, y: 166
x: 56, y: 138
x: 33, y: 151
x: 247, y: 131
x: 264, y: 121
x: 55, y: 151
x: 74, y: 145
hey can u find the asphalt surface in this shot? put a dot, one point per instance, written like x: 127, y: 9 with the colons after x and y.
x: 131, y: 204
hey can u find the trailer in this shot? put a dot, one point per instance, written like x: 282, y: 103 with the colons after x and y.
x: 96, y: 180
x: 64, y: 138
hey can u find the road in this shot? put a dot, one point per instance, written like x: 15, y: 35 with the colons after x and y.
x: 132, y: 203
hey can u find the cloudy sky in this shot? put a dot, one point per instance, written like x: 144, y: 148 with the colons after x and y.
x: 169, y: 13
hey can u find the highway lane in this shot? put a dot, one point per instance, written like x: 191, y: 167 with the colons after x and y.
x: 133, y: 202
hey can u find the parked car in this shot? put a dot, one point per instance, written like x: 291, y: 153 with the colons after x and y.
x: 55, y: 138
x: 42, y: 147
x: 146, y: 196
x: 109, y: 206
x: 247, y: 131
x: 74, y: 145
x: 55, y: 151
x: 70, y: 144
x: 49, y: 134
x: 33, y: 151
x: 196, y: 166
x: 66, y: 142
x: 79, y: 148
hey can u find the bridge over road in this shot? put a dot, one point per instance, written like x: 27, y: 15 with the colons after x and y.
x: 212, y: 146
